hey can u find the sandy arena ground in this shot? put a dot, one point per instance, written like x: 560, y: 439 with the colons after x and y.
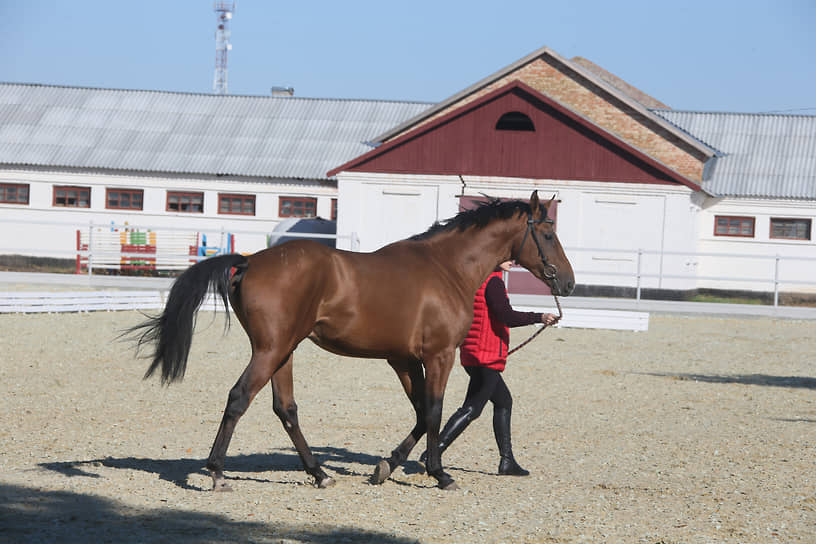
x: 700, y: 430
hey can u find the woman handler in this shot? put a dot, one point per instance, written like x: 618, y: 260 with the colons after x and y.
x: 483, y: 355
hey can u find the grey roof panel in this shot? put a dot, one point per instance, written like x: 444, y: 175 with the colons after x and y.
x: 761, y: 155
x: 277, y: 137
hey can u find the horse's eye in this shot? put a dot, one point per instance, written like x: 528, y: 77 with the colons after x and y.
x: 548, y: 236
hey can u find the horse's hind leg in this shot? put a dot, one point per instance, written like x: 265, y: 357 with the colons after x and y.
x: 437, y: 371
x: 286, y: 409
x: 413, y: 381
x: 257, y: 373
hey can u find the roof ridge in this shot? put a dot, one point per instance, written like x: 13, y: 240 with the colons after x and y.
x: 622, y: 85
x: 716, y: 112
x: 193, y: 93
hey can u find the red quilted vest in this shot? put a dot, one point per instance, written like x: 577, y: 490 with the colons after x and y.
x: 487, y: 340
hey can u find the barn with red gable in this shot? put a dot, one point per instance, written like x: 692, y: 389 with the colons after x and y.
x: 635, y: 204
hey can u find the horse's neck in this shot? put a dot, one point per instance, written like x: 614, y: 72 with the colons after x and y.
x: 476, y: 252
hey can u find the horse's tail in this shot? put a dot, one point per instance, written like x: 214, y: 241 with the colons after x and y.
x: 172, y: 331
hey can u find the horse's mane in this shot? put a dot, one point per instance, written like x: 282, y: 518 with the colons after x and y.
x: 479, y: 217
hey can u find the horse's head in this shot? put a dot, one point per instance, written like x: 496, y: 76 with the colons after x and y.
x: 539, y: 251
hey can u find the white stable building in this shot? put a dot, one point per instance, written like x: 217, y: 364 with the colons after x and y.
x: 647, y: 197
x: 179, y: 165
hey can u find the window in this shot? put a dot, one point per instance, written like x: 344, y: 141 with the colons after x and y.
x: 515, y: 120
x: 185, y: 202
x: 290, y: 206
x: 334, y: 210
x: 72, y: 197
x: 734, y: 226
x: 13, y: 193
x: 124, y: 199
x: 236, y: 204
x: 790, y: 229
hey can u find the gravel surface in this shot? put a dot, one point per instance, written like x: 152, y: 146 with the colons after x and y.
x: 700, y: 430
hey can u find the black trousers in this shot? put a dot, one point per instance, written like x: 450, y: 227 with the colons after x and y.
x: 486, y: 384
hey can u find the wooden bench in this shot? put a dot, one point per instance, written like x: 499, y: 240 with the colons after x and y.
x: 584, y: 318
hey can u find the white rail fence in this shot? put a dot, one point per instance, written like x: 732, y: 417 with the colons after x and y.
x: 637, y: 269
x: 90, y: 301
x: 763, y: 273
x: 39, y: 302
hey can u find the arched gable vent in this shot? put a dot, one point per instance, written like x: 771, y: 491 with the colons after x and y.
x: 515, y: 120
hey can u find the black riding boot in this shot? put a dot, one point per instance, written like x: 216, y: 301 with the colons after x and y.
x: 457, y: 423
x: 501, y: 429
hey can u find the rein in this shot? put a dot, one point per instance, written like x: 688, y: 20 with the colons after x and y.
x: 540, y: 330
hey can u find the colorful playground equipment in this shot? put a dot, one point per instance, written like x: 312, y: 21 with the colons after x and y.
x: 130, y: 250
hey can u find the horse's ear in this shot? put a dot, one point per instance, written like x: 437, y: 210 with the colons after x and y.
x: 534, y: 202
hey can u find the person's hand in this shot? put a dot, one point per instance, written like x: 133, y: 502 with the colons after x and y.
x: 549, y: 319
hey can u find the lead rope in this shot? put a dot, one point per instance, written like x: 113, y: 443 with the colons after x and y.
x: 540, y: 330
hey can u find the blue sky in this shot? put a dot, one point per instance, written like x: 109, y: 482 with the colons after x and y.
x: 715, y: 55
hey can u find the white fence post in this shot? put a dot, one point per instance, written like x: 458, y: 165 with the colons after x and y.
x: 639, y: 262
x: 90, y: 248
x: 660, y: 270
x: 776, y: 281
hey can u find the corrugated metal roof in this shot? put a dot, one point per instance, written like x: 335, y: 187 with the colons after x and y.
x: 153, y: 131
x: 762, y: 155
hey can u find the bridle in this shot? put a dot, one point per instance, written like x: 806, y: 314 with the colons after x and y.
x: 550, y: 271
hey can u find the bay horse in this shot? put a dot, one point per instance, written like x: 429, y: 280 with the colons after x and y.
x: 410, y: 302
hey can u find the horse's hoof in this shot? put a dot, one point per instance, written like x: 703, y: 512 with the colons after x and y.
x: 422, y: 461
x: 450, y: 486
x: 326, y: 482
x: 381, y: 472
x: 222, y: 487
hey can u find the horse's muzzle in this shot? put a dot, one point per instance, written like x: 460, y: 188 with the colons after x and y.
x: 561, y: 288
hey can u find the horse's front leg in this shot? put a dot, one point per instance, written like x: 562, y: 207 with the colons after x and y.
x: 413, y: 382
x: 286, y: 409
x: 437, y: 371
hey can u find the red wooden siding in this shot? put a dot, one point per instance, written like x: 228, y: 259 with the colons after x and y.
x: 562, y: 147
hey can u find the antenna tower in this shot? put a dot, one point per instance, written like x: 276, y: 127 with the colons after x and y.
x: 222, y: 44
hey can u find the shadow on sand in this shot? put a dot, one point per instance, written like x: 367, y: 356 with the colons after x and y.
x: 32, y: 515
x: 177, y: 471
x: 800, y: 382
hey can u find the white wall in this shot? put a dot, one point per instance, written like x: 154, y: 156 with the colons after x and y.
x: 384, y: 208
x: 670, y: 224
x: 592, y: 216
x: 45, y: 230
x: 761, y: 245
